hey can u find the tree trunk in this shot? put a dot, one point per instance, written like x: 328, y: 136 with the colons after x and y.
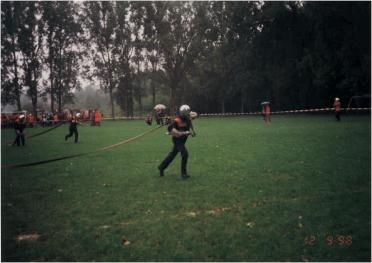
x: 60, y: 82
x: 140, y: 102
x: 51, y: 55
x: 17, y: 90
x: 60, y: 96
x: 51, y: 94
x: 153, y: 92
x: 172, y: 95
x: 241, y: 104
x: 171, y: 102
x: 33, y: 86
x: 112, y: 104
x: 130, y: 102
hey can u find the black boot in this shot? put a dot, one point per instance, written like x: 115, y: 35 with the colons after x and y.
x: 161, y: 171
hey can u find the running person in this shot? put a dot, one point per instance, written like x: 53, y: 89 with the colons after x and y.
x: 73, y: 128
x: 180, y: 130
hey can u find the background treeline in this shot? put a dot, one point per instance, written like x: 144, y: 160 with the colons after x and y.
x: 214, y: 56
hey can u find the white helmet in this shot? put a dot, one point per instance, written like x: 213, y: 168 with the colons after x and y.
x: 184, y: 110
x: 78, y: 115
x: 337, y: 99
x: 21, y: 116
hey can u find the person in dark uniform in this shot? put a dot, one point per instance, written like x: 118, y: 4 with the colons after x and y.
x: 73, y: 128
x: 149, y: 120
x: 159, y: 115
x: 19, y: 126
x: 179, y: 129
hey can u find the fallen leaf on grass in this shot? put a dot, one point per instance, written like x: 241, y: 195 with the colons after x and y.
x: 191, y: 214
x: 251, y: 224
x: 30, y: 237
x: 60, y: 190
x: 125, y: 223
x: 104, y: 227
x: 217, y: 210
x: 125, y: 241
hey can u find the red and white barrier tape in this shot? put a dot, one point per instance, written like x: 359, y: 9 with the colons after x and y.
x: 281, y: 112
x: 249, y: 113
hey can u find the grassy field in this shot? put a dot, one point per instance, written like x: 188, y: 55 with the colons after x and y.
x: 296, y: 190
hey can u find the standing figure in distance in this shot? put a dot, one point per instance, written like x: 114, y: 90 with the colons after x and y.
x: 266, y: 111
x: 337, y: 108
x: 19, y: 127
x: 97, y: 117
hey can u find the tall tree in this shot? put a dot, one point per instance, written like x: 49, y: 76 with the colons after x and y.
x: 64, y: 35
x: 180, y: 44
x: 154, y: 13
x: 125, y: 49
x: 30, y: 40
x: 101, y: 22
x: 11, y: 88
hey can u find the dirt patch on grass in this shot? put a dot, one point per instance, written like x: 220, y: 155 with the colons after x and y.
x: 281, y: 177
x: 28, y: 237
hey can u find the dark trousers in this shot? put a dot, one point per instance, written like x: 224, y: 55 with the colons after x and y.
x: 159, y: 120
x: 338, y: 115
x: 73, y: 131
x: 169, y: 158
x: 20, y: 137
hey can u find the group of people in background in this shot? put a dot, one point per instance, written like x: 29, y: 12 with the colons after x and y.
x: 20, y: 120
x: 48, y: 119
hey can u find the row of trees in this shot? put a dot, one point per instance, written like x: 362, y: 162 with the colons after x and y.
x: 215, y: 56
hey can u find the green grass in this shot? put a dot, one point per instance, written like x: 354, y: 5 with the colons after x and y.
x: 255, y: 193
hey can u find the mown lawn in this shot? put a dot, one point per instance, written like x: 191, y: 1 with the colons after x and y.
x: 296, y: 190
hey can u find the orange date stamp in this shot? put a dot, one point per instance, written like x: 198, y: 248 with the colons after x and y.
x: 330, y: 240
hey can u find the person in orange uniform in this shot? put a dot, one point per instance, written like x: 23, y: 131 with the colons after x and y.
x: 97, y: 117
x: 266, y: 111
x: 337, y: 108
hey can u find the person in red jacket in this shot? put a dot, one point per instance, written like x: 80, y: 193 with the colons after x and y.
x: 266, y: 111
x: 337, y: 108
